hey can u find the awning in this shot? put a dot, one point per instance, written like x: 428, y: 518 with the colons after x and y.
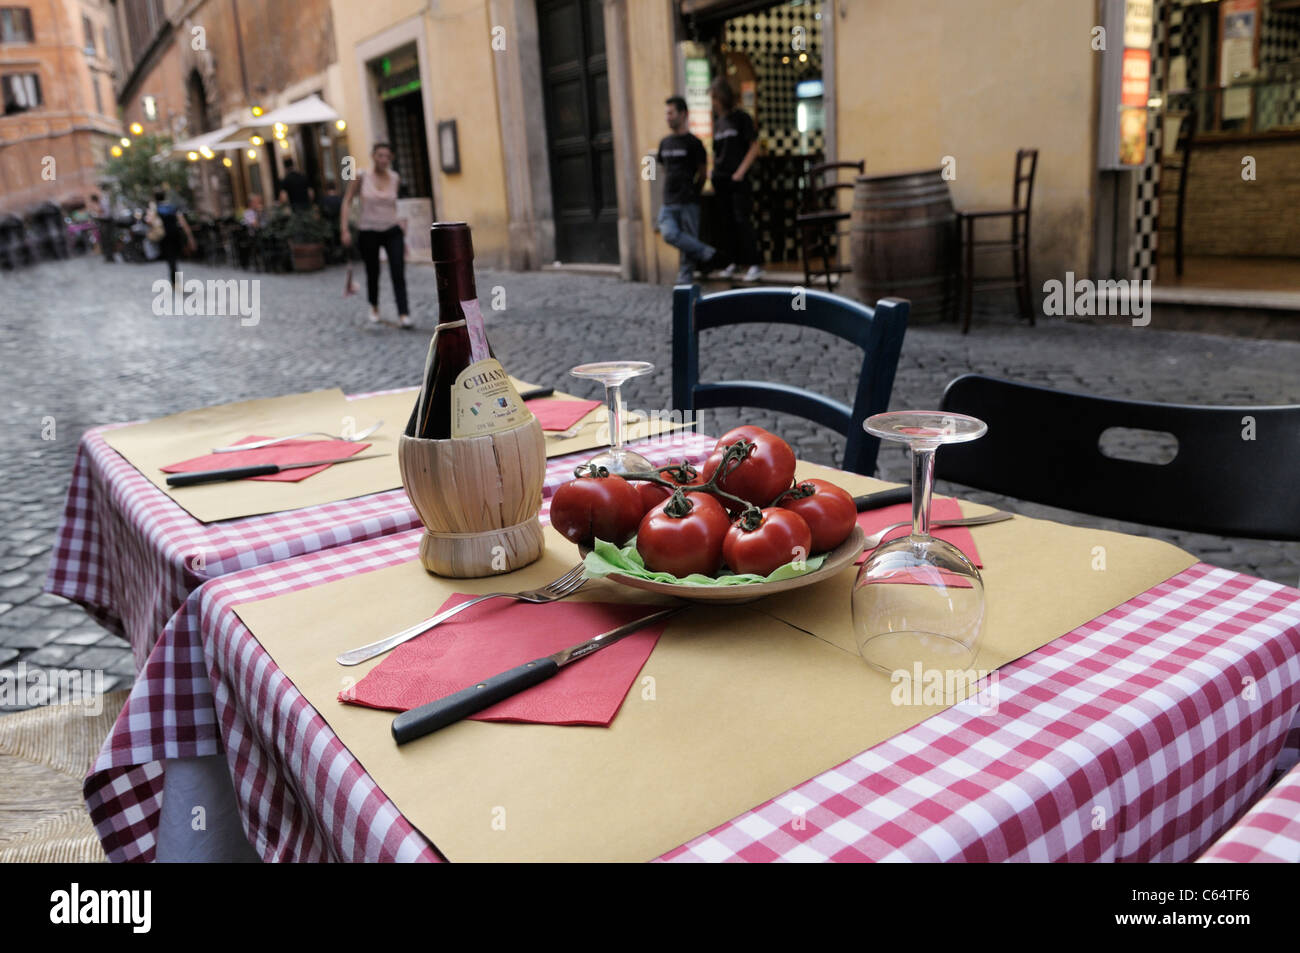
x: 304, y: 111
x: 208, y: 139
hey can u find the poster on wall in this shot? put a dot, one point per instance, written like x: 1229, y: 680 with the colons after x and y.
x: 1237, y: 54
x: 1132, y: 135
x: 699, y: 107
x: 1135, y: 78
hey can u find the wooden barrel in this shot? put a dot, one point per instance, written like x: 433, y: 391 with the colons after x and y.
x: 478, y: 498
x: 902, y: 239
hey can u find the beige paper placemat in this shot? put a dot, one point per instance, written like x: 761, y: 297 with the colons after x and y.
x: 157, y: 443
x: 593, y: 433
x: 734, y: 707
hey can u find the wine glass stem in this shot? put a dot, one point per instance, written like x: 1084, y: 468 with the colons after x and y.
x: 614, y: 400
x: 922, y: 487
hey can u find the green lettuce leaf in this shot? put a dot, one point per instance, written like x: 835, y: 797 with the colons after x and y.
x: 607, y: 558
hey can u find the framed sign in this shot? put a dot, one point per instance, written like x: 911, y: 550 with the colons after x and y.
x: 448, y: 147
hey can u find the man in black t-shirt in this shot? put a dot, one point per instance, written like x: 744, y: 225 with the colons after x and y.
x: 683, y: 158
x: 735, y: 147
x: 294, y: 188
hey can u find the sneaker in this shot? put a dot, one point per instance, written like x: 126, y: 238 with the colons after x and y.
x: 372, y: 317
x: 755, y: 272
x: 729, y: 271
x: 404, y: 322
x: 685, y: 275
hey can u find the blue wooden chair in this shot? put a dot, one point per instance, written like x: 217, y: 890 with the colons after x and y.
x: 878, y: 331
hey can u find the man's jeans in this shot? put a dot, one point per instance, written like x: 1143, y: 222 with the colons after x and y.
x: 679, y: 224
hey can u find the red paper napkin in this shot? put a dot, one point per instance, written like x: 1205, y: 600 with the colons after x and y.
x: 941, y: 508
x: 292, y: 451
x: 494, y: 637
x: 560, y: 414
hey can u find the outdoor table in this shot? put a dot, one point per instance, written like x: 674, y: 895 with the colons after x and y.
x: 131, y: 555
x: 1127, y: 739
x: 1270, y: 831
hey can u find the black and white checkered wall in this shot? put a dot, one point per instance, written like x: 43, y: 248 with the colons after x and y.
x: 768, y: 39
x: 1147, y: 211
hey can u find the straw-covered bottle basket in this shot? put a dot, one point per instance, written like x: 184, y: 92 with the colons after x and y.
x: 478, y: 498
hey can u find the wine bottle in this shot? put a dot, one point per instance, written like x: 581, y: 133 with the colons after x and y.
x: 466, y: 391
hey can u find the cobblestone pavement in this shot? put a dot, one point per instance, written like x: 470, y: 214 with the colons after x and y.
x: 80, y: 343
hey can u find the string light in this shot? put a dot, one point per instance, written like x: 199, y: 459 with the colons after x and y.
x: 115, y: 151
x: 257, y: 110
x: 255, y: 140
x: 225, y: 160
x: 192, y: 156
x: 340, y: 125
x: 126, y: 143
x: 136, y: 129
x: 252, y: 154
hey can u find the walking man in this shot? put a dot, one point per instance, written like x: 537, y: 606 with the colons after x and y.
x: 735, y: 147
x: 683, y: 157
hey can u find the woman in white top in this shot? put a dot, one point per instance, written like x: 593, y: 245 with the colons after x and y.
x: 378, y: 228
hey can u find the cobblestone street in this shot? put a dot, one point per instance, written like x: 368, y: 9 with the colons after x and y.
x: 81, y: 345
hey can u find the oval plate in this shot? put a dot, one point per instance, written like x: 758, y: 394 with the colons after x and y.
x: 842, y: 555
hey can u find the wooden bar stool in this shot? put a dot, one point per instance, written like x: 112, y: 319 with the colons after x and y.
x: 1022, y: 194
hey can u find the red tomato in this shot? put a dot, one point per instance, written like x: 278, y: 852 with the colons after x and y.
x: 781, y: 537
x: 763, y: 475
x: 829, y: 512
x: 588, y: 508
x: 685, y: 544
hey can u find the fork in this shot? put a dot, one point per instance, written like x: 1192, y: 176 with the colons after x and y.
x: 997, y: 516
x: 566, y: 585
x: 258, y: 444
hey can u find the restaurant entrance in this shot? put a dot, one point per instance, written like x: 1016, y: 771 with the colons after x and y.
x: 772, y: 54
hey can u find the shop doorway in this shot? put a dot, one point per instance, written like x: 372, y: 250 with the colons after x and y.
x: 405, y: 116
x: 400, y: 91
x: 579, y: 135
x: 772, y: 57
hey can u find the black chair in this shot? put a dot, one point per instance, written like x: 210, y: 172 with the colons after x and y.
x: 1177, y: 160
x: 1043, y: 445
x: 1022, y: 199
x: 878, y: 331
x: 819, y: 221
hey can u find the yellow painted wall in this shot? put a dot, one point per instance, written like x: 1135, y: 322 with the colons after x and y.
x: 462, y: 86
x: 918, y: 80
x: 653, y: 72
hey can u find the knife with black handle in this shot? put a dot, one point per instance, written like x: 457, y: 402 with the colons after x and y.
x: 261, y: 469
x: 442, y: 712
x: 874, y: 501
x: 537, y: 393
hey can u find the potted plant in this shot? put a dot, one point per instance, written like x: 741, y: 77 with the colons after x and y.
x: 307, y: 234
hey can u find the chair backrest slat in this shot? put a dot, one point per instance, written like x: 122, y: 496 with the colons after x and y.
x: 1234, y: 473
x: 877, y: 331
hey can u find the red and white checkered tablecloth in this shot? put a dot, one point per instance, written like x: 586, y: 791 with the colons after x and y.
x: 130, y: 555
x: 1270, y: 831
x: 1139, y: 736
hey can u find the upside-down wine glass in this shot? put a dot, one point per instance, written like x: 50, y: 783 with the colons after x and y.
x: 617, y: 459
x: 918, y: 599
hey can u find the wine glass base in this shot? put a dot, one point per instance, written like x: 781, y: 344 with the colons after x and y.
x: 916, y: 654
x: 621, y: 461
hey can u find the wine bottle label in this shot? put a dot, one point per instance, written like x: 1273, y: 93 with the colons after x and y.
x: 478, y: 343
x: 484, y: 401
